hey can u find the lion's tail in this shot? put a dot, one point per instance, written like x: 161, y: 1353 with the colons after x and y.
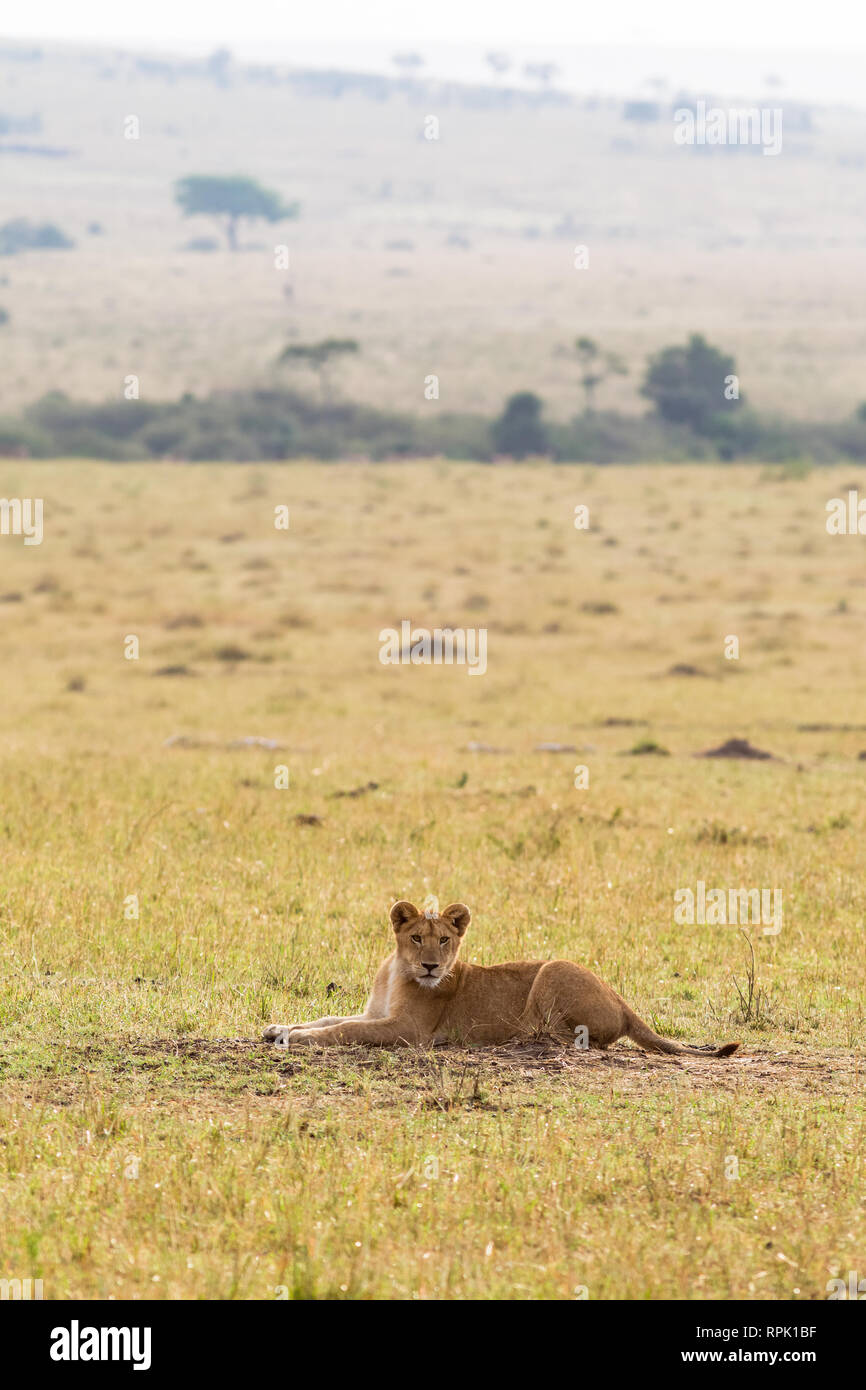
x: 643, y: 1035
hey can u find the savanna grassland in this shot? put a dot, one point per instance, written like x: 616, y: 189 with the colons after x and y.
x: 151, y: 1146
x: 453, y: 256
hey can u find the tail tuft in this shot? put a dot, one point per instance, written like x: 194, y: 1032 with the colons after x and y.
x: 643, y: 1035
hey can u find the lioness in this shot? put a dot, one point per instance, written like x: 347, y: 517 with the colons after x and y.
x: 423, y: 994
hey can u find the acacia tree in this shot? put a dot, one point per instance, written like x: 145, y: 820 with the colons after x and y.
x: 319, y: 357
x: 595, y: 367
x: 499, y: 63
x: 229, y: 199
x: 542, y: 73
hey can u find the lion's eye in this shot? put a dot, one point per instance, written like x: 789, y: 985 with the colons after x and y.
x: 443, y: 941
x: 417, y: 940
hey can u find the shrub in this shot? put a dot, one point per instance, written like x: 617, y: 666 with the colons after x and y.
x: 261, y: 425
x: 641, y: 111
x: 519, y: 430
x: 18, y: 439
x: 686, y: 384
x: 21, y: 235
x: 201, y: 243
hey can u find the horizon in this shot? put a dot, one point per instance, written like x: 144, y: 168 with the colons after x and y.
x: 609, y: 69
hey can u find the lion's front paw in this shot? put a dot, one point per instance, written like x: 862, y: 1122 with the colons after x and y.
x: 307, y: 1037
x: 278, y: 1034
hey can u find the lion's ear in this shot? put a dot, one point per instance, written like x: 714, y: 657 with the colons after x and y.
x: 401, y: 913
x: 459, y: 917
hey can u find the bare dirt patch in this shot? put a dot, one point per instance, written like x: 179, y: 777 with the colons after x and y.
x: 738, y: 748
x: 828, y: 1072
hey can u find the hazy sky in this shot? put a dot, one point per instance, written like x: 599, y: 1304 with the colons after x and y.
x: 832, y: 25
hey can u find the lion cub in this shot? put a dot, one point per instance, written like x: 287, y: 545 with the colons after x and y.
x: 423, y: 994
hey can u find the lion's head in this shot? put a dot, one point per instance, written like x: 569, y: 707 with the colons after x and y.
x: 428, y: 942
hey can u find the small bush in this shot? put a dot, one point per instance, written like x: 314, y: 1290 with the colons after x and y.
x: 201, y: 243
x: 21, y: 235
x: 519, y: 430
x: 18, y: 439
x: 648, y: 747
x: 231, y: 652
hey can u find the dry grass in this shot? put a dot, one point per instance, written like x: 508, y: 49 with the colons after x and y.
x: 150, y: 1147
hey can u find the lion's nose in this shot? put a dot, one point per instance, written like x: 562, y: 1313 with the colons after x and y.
x: 430, y: 968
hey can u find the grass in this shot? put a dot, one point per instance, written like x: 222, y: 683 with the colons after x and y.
x: 161, y: 901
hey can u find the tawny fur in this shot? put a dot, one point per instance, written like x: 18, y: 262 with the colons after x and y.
x: 423, y: 994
